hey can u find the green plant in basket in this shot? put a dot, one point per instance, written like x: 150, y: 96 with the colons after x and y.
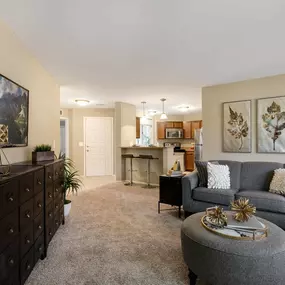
x: 42, y: 147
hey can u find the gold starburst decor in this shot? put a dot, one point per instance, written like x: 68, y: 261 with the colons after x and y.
x: 217, y: 216
x: 243, y: 209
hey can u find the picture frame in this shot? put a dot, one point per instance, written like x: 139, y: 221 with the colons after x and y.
x: 14, y: 113
x: 237, y: 126
x: 270, y: 131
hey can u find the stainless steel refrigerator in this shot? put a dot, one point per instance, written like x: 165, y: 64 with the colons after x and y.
x: 198, y: 139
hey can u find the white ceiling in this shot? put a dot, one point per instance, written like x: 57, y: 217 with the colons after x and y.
x: 143, y: 50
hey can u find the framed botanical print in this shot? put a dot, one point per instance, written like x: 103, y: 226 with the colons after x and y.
x: 271, y: 125
x: 237, y: 126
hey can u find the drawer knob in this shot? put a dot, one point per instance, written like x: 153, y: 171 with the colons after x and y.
x: 49, y: 176
x: 40, y: 249
x: 56, y: 189
x: 39, y: 227
x: 56, y: 223
x: 11, y: 199
x: 28, y: 267
x: 28, y: 241
x: 49, y: 214
x: 27, y: 190
x: 28, y: 214
x: 11, y: 231
x: 56, y: 206
x: 39, y: 205
x: 11, y: 261
x: 49, y: 195
x: 56, y: 173
x: 39, y: 182
x: 50, y: 233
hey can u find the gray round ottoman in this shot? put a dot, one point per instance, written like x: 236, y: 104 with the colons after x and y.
x: 219, y: 260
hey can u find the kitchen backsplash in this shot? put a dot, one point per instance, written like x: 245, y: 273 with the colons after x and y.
x: 184, y: 142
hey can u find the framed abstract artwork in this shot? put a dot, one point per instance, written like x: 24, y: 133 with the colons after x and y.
x: 237, y: 126
x: 271, y: 125
x: 14, y: 112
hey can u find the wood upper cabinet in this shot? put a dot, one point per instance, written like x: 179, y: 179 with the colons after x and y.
x: 189, y: 160
x: 195, y: 125
x: 161, y: 130
x: 178, y: 125
x: 187, y: 130
x: 138, y: 128
x: 168, y: 124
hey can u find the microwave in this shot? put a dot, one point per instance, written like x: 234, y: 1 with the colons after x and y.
x: 174, y: 133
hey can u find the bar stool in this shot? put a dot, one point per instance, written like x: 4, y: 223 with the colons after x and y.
x: 131, y: 157
x: 149, y: 157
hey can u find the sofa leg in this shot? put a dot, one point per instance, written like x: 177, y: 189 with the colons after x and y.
x: 187, y: 214
x: 192, y: 277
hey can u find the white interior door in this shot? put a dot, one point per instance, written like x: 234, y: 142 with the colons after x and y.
x: 98, y: 146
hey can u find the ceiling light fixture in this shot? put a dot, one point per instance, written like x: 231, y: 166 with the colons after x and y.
x: 163, y: 115
x: 151, y: 112
x: 183, y: 108
x: 82, y: 102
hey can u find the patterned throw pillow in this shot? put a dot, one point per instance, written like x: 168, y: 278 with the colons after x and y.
x: 277, y: 184
x: 201, y: 167
x: 218, y: 176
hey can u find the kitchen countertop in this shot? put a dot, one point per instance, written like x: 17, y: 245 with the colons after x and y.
x: 143, y: 147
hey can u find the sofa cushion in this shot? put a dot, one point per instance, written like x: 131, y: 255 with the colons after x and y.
x: 256, y: 175
x: 235, y: 169
x: 201, y: 167
x: 264, y: 200
x: 217, y: 196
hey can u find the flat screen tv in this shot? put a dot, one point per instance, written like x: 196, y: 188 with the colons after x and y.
x: 14, y: 112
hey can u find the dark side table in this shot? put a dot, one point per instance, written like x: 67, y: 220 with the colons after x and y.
x: 170, y: 192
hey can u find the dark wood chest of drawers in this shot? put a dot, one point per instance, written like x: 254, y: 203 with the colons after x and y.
x: 31, y: 210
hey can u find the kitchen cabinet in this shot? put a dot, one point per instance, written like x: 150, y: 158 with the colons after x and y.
x: 189, y: 160
x: 194, y: 126
x: 168, y: 124
x: 138, y: 128
x: 161, y: 130
x: 178, y: 125
x: 187, y: 130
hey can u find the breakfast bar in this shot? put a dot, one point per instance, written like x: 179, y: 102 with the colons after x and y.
x: 163, y: 160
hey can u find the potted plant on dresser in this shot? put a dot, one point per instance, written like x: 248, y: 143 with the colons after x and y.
x: 42, y: 152
x: 71, y: 182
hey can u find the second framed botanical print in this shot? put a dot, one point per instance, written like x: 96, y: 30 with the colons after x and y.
x: 271, y: 125
x: 237, y: 126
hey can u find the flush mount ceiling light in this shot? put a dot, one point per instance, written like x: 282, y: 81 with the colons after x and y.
x: 183, y: 108
x: 82, y: 102
x: 151, y: 112
x: 163, y: 115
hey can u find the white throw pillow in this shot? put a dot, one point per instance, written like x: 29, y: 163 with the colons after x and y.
x: 277, y: 184
x: 218, y: 176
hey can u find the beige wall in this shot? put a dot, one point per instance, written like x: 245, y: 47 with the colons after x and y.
x: 20, y: 66
x: 212, y: 99
x: 125, y: 132
x: 76, y: 131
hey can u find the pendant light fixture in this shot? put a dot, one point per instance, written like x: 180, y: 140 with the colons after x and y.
x: 163, y: 115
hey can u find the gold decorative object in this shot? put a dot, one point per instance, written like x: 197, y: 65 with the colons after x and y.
x: 5, y: 169
x: 243, y: 209
x: 3, y: 134
x: 217, y: 216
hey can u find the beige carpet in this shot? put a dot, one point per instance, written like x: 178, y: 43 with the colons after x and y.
x: 115, y: 236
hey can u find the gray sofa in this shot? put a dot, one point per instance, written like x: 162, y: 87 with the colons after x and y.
x: 248, y: 179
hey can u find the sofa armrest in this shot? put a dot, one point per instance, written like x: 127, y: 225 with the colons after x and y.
x: 189, y: 182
